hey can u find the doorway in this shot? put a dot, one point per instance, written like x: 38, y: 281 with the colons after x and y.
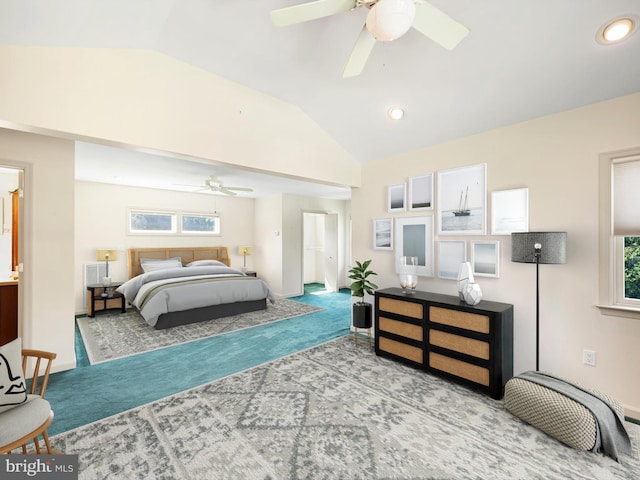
x: 320, y: 250
x: 10, y: 206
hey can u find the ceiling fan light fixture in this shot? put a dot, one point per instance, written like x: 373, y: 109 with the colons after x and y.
x: 390, y: 19
x: 616, y: 30
x: 395, y: 113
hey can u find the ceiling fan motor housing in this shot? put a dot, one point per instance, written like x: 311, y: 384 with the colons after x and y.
x: 390, y: 19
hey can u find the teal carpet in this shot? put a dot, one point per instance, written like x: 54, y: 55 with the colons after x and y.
x: 91, y: 392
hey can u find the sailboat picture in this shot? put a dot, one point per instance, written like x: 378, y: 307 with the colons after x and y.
x: 461, y: 201
x: 463, y: 206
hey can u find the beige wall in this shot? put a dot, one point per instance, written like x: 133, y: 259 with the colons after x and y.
x: 279, y: 226
x: 47, y: 246
x: 556, y: 157
x: 147, y: 100
x: 101, y: 220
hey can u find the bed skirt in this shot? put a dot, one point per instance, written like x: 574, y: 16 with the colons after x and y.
x: 184, y: 317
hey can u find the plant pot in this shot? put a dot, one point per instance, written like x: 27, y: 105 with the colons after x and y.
x: 362, y: 314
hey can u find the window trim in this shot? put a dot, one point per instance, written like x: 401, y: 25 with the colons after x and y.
x: 611, y: 249
x: 181, y: 215
x: 176, y: 221
x: 147, y: 211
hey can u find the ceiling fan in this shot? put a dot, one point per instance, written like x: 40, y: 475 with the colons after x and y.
x: 387, y: 20
x: 214, y: 184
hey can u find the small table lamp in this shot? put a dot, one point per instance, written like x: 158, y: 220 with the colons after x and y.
x: 105, y: 256
x: 244, y: 251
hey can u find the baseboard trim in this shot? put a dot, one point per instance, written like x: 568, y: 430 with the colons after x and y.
x: 61, y: 367
x: 632, y: 414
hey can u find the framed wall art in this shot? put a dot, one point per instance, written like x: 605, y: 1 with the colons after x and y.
x: 383, y: 233
x: 421, y: 192
x: 510, y: 211
x: 414, y: 238
x: 485, y: 258
x: 462, y: 200
x: 397, y: 197
x: 451, y: 253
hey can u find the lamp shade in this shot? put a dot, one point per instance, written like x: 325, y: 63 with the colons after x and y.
x: 552, y: 247
x: 104, y: 255
x: 244, y: 250
x: 390, y: 19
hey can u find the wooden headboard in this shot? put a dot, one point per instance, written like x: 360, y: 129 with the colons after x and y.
x: 187, y: 254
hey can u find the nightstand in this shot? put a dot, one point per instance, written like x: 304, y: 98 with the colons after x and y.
x: 101, y: 297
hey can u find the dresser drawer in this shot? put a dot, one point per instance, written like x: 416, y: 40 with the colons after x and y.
x: 401, y: 349
x: 408, y: 330
x: 468, y: 346
x: 400, y: 307
x: 454, y: 318
x: 479, y: 375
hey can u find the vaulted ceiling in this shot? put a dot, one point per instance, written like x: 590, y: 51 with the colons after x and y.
x: 521, y: 60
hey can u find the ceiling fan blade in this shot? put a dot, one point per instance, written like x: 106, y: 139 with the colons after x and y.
x: 225, y: 191
x: 359, y: 54
x: 310, y: 11
x: 438, y: 26
x: 239, y: 189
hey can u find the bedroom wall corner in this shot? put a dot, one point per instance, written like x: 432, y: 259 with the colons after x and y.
x: 268, y: 252
x: 46, y: 316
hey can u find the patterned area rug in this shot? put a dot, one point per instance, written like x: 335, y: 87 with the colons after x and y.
x: 335, y: 411
x: 110, y: 336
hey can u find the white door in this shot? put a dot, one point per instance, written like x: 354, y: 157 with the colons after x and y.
x: 331, y: 252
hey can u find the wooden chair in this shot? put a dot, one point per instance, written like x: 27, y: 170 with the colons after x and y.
x: 25, y: 423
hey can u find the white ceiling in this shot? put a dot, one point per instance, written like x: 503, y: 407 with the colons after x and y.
x: 523, y: 59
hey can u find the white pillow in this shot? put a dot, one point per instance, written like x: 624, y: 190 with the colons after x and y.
x: 153, y: 264
x: 206, y: 263
x: 13, y: 391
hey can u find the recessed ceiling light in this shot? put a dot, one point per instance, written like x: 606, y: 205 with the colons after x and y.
x: 616, y: 30
x: 395, y: 113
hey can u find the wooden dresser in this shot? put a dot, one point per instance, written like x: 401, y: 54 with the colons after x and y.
x: 443, y: 335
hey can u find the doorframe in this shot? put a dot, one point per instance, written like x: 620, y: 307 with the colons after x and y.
x: 302, y: 263
x: 24, y: 249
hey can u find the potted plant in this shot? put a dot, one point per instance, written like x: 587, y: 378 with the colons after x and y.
x: 362, y: 284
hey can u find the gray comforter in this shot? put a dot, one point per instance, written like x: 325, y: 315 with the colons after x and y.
x: 179, y: 289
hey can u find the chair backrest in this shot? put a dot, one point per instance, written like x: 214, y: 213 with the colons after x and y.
x: 40, y: 360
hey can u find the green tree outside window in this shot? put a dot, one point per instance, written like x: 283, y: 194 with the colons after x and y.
x: 632, y: 267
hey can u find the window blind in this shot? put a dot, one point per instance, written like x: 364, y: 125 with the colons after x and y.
x: 626, y: 197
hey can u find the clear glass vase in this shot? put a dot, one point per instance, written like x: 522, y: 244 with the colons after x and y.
x: 408, y: 275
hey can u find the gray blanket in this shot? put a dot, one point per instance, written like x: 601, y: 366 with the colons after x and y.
x: 611, y: 436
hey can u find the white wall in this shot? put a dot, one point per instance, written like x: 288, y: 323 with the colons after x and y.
x: 46, y: 243
x: 101, y: 220
x: 556, y: 157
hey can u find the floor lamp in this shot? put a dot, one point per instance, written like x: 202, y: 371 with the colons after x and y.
x: 539, y: 248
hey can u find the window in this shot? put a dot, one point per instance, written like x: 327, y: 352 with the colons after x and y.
x: 620, y: 233
x: 631, y: 287
x: 198, y: 224
x: 152, y: 222
x: 149, y: 222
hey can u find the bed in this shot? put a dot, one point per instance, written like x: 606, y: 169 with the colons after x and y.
x: 178, y: 286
